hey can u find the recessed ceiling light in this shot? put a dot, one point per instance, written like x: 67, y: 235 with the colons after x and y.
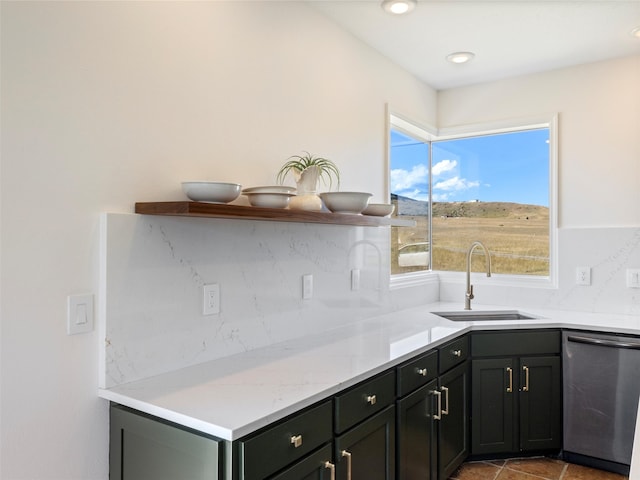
x: 460, y: 57
x: 636, y: 32
x: 398, y: 7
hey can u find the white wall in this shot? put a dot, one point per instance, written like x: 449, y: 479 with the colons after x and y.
x: 105, y: 104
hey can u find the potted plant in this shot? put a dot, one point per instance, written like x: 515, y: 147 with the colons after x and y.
x: 307, y: 170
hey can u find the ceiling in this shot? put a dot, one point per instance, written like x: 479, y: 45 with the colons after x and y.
x: 508, y: 37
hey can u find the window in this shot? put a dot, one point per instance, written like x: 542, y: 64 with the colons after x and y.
x: 495, y: 186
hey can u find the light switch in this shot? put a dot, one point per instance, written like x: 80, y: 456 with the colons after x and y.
x: 79, y: 314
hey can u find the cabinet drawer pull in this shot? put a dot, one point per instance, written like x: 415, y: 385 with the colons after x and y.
x: 510, y: 373
x: 347, y: 455
x: 445, y: 411
x: 422, y: 371
x: 438, y: 416
x: 456, y: 353
x: 526, y: 379
x: 296, y: 440
x: 371, y: 399
x: 332, y: 469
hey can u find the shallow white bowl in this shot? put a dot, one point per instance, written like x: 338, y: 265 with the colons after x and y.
x: 345, y: 202
x: 379, y: 209
x: 212, y: 192
x: 269, y: 200
x: 270, y: 189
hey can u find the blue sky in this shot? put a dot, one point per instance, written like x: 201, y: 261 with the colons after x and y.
x: 512, y: 167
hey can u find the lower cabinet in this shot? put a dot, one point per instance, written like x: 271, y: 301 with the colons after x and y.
x: 315, y: 466
x: 433, y: 425
x: 453, y: 426
x: 417, y: 434
x: 516, y: 403
x: 270, y: 450
x: 367, y: 451
x: 146, y: 448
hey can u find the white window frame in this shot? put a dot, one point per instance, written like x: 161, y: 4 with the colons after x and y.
x: 431, y: 134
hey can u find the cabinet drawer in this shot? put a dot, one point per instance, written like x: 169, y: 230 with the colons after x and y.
x: 417, y: 372
x: 276, y: 447
x: 453, y: 353
x: 364, y: 400
x: 515, y: 343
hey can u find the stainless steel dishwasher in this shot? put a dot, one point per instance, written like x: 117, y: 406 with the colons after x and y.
x: 601, y: 390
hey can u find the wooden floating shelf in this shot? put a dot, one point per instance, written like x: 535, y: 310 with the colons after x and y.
x: 213, y: 210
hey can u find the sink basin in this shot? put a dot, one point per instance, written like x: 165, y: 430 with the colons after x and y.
x: 473, y: 316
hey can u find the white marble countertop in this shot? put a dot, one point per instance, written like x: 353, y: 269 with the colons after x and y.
x: 234, y: 396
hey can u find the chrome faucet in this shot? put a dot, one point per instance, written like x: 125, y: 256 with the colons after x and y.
x: 469, y: 295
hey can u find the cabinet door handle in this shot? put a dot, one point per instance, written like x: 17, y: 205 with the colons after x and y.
x: 526, y: 379
x: 510, y: 373
x: 456, y: 353
x: 371, y: 399
x: 347, y: 455
x: 438, y: 395
x: 296, y: 440
x: 445, y: 411
x: 422, y: 371
x: 332, y: 470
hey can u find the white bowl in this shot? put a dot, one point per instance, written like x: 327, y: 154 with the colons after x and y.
x: 345, y: 202
x: 379, y: 209
x: 212, y: 192
x: 270, y: 189
x: 269, y: 200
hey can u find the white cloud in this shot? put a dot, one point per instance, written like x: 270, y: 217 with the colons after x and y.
x: 455, y: 184
x: 444, y: 166
x: 407, y: 180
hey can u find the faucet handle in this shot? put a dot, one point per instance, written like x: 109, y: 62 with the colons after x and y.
x: 470, y: 292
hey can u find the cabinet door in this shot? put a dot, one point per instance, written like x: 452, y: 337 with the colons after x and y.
x: 316, y: 466
x: 453, y: 427
x: 368, y: 449
x: 494, y: 386
x: 417, y: 440
x: 540, y: 403
x: 144, y: 448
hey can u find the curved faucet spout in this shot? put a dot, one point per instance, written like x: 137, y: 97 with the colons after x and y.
x: 469, y: 293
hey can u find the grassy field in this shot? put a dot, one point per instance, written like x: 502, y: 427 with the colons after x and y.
x: 516, y: 235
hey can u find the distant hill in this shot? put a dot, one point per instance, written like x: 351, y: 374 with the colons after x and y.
x: 408, y: 206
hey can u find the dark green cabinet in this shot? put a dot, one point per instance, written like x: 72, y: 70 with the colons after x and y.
x: 517, y: 402
x: 315, y: 466
x: 453, y: 425
x: 433, y: 420
x: 417, y: 434
x: 145, y: 448
x: 365, y: 430
x: 540, y: 403
x: 367, y: 451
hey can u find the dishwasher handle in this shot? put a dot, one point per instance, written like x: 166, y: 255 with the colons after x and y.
x: 603, y: 342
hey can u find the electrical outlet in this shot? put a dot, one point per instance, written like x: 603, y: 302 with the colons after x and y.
x: 633, y: 277
x: 307, y: 287
x: 583, y: 276
x: 211, y: 299
x: 355, y: 280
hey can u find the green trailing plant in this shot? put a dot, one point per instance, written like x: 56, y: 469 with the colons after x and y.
x: 327, y: 170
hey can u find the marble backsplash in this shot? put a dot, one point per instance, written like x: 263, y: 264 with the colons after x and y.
x: 153, y: 269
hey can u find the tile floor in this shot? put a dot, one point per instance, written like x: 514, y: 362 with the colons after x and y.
x: 536, y: 468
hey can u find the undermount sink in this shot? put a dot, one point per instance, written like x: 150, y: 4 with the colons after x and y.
x: 472, y: 316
